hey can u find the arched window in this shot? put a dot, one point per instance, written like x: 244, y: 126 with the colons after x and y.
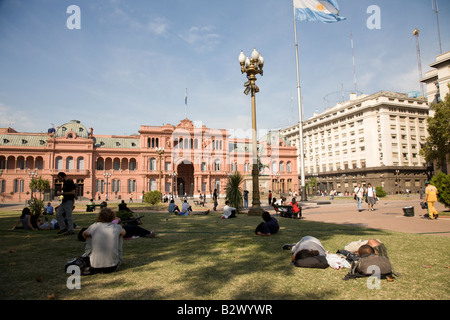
x: 281, y: 166
x: 80, y: 163
x: 100, y: 164
x: 132, y: 165
x: 152, y: 164
x: 217, y: 165
x: 69, y: 163
x: 59, y: 163
x: 289, y: 167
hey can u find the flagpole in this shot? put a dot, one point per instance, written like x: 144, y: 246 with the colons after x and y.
x: 185, y: 105
x: 300, y: 116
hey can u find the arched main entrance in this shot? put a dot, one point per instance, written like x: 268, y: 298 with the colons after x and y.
x: 185, y: 179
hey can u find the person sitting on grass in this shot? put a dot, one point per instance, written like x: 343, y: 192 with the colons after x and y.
x: 173, y: 208
x: 123, y: 207
x: 104, y: 243
x: 186, y: 210
x: 228, y: 212
x: 25, y: 219
x: 268, y: 227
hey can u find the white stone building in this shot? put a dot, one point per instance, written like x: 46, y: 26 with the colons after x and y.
x: 370, y: 138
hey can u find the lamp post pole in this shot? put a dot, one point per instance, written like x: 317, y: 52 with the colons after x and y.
x: 107, y: 175
x: 253, y: 66
x: 160, y: 152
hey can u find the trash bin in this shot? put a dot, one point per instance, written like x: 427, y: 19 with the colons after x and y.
x: 408, y: 211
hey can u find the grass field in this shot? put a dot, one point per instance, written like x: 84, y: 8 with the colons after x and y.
x: 208, y: 258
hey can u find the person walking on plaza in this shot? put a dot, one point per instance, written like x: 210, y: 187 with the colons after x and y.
x: 215, y: 199
x: 67, y: 203
x: 431, y: 193
x: 359, y: 194
x: 371, y: 196
x: 245, y: 199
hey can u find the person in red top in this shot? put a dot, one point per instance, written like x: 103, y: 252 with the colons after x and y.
x: 295, y: 208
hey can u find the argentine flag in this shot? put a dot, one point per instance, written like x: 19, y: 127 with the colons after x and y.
x: 316, y: 10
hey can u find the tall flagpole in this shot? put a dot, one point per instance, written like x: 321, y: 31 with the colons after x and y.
x: 438, y: 28
x: 300, y: 116
x: 185, y: 104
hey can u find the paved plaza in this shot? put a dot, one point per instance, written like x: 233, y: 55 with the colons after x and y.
x: 388, y: 215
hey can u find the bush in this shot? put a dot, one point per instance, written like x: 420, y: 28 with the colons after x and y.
x: 442, y: 182
x: 152, y: 197
x: 233, y: 190
x: 380, y: 192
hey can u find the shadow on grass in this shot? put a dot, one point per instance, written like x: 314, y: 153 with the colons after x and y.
x: 193, y: 257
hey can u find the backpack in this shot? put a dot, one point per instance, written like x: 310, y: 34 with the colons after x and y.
x: 83, y: 262
x: 363, y: 266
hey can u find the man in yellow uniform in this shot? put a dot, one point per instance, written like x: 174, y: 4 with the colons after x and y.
x: 430, y: 198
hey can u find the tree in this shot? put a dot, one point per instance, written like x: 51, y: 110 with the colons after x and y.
x: 313, y: 183
x: 437, y: 145
x: 40, y: 185
x: 442, y: 182
x: 234, y: 191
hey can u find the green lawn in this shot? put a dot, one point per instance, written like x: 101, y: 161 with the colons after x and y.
x: 206, y: 257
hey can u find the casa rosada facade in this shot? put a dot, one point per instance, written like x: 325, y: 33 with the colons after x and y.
x: 181, y: 159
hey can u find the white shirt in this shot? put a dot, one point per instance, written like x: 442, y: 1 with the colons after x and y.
x: 370, y: 192
x: 227, y: 211
x: 106, y: 244
x: 359, y: 192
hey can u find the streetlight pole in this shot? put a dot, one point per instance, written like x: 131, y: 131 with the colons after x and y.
x: 107, y: 175
x: 173, y: 175
x: 33, y: 174
x: 253, y: 66
x: 160, y: 152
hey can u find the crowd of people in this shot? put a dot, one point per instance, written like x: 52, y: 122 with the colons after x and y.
x: 103, y: 239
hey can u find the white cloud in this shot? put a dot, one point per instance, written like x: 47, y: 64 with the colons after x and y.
x: 17, y: 119
x: 201, y: 37
x: 159, y: 26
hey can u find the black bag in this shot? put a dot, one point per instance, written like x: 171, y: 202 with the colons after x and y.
x: 349, y: 256
x: 83, y: 262
x: 424, y: 205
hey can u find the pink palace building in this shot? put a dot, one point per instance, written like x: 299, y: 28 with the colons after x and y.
x: 181, y: 159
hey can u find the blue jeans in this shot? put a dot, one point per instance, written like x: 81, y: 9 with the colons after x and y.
x: 245, y: 203
x: 359, y: 200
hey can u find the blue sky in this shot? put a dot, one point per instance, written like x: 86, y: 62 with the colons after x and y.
x: 132, y: 60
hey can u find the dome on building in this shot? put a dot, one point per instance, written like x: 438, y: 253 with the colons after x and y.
x: 73, y: 126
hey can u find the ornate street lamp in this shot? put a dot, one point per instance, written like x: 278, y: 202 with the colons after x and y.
x: 253, y: 66
x: 107, y: 175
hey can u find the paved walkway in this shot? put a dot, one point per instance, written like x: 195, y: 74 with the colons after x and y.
x: 388, y: 215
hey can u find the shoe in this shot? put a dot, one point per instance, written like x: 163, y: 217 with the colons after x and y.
x: 62, y: 231
x: 68, y: 233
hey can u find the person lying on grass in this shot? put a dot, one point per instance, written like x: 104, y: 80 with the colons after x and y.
x: 268, y: 227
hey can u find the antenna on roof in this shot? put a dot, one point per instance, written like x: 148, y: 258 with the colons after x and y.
x: 434, y: 6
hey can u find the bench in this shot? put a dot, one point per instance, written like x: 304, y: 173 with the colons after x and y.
x: 199, y: 202
x: 285, y: 211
